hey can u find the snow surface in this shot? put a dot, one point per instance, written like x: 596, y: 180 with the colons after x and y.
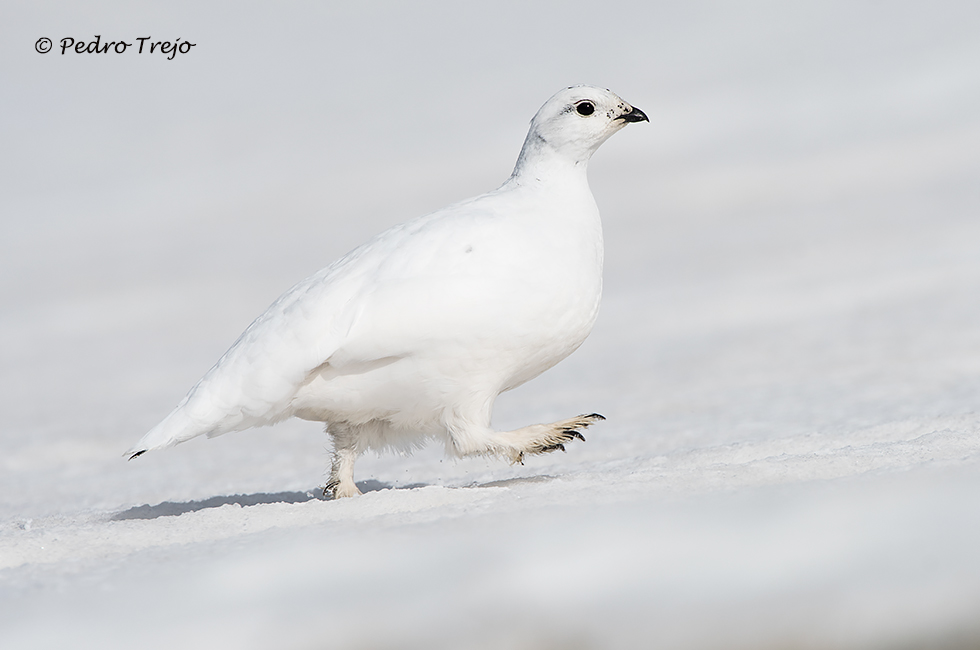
x: 788, y: 353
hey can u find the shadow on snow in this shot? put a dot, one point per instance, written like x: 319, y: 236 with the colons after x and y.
x: 173, y: 508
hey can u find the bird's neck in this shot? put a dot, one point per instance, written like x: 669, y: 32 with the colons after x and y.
x: 541, y: 164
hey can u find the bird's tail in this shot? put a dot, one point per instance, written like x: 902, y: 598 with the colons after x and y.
x: 175, y: 428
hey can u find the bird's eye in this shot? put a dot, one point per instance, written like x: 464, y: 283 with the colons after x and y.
x: 585, y: 108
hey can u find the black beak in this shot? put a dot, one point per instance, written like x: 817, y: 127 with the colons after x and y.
x: 635, y: 115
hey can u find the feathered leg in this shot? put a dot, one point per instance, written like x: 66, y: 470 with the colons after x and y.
x: 514, y: 445
x: 341, y: 483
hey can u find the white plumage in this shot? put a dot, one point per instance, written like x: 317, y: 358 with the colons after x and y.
x: 414, y: 334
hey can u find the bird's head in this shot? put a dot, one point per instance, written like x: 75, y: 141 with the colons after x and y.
x: 575, y: 121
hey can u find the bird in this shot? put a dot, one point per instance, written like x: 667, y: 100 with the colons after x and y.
x: 411, y: 337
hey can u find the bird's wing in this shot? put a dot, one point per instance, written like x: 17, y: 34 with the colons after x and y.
x: 254, y: 381
x: 477, y: 274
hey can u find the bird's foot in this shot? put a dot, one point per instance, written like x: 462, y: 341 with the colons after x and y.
x: 552, y: 437
x: 338, y: 489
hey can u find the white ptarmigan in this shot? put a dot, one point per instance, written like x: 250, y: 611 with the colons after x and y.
x: 413, y: 335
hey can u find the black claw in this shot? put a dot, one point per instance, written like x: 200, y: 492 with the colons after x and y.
x: 139, y: 453
x: 578, y: 434
x: 548, y: 448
